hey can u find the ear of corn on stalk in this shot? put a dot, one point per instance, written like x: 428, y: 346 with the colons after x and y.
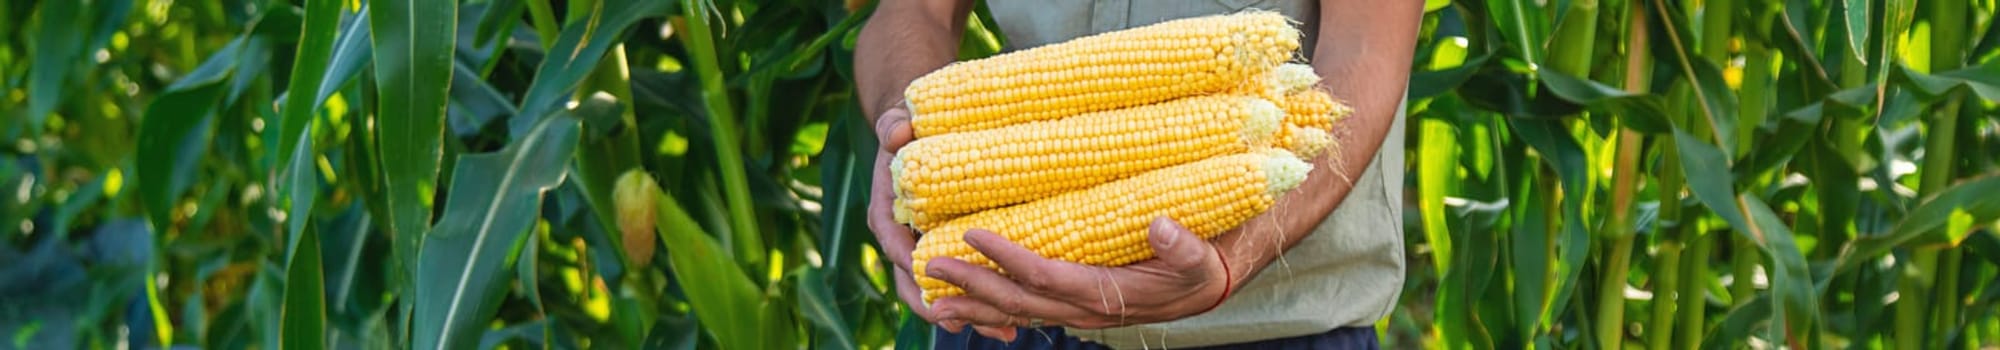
x: 1112, y: 70
x: 1107, y: 225
x: 633, y: 195
x: 1072, y: 149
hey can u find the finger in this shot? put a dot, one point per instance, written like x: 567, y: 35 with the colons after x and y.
x: 895, y: 238
x: 1060, y: 279
x: 913, y: 296
x: 1178, y: 247
x: 893, y: 129
x: 983, y: 286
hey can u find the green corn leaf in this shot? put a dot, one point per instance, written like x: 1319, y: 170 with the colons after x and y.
x: 576, y: 53
x: 174, y: 134
x: 1563, y: 153
x: 815, y: 301
x: 412, y: 46
x: 729, y: 306
x: 57, y: 42
x: 465, y: 258
x: 351, y: 52
x: 1971, y: 199
x: 304, y: 312
x: 316, y: 41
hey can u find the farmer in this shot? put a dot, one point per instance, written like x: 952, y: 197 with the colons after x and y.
x: 1339, y: 234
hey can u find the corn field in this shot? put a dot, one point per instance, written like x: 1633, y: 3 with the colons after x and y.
x: 484, y: 174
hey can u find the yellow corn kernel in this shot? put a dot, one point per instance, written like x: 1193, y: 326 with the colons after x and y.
x: 1107, y: 225
x: 1112, y: 70
x: 970, y: 171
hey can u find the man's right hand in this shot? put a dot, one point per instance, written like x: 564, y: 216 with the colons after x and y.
x: 896, y: 239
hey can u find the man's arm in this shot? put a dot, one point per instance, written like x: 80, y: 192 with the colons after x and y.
x: 903, y: 40
x: 1364, y: 50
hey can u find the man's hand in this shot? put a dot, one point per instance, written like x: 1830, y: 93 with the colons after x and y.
x: 1187, y: 277
x: 893, y: 128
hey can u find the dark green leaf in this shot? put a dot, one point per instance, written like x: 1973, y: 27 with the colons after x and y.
x: 489, y: 215
x: 913, y: 332
x: 412, y: 42
x: 56, y: 42
x: 1967, y: 200
x: 351, y: 52
x: 1642, y: 113
x: 1791, y: 283
x: 1523, y: 24
x: 174, y: 134
x: 308, y: 69
x: 500, y: 18
x: 304, y: 313
x: 1737, y: 325
x: 1983, y: 80
x: 576, y: 53
x: 1426, y: 84
x: 817, y: 304
x: 846, y: 173
x: 344, y: 238
x: 728, y: 304
x: 301, y: 179
x: 1571, y: 167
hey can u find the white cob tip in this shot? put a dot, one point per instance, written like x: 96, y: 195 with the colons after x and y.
x: 1263, y: 119
x: 1283, y: 172
x: 902, y: 211
x: 1291, y: 78
x: 1341, y: 110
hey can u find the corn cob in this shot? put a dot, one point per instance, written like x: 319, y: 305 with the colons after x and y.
x: 1106, y: 225
x: 970, y: 171
x: 1112, y: 70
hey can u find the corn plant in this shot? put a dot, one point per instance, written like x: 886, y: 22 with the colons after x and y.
x: 1711, y: 174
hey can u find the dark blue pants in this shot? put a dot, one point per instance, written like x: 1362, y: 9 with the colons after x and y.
x: 1338, y: 338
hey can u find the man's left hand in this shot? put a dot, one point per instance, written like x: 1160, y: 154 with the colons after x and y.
x: 1186, y: 277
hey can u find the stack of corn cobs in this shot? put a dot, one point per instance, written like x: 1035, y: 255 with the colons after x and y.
x: 1072, y: 149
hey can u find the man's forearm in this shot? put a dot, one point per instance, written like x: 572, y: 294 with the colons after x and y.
x: 1363, y: 52
x: 903, y: 40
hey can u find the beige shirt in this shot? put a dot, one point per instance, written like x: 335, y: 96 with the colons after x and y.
x: 1347, y: 273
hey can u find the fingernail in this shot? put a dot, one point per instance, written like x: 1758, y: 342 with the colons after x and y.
x: 975, y: 243
x: 1161, y: 225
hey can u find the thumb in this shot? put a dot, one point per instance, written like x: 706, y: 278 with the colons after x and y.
x: 892, y: 129
x: 1176, y: 245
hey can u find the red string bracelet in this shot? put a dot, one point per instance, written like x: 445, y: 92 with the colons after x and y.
x: 1225, y: 281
